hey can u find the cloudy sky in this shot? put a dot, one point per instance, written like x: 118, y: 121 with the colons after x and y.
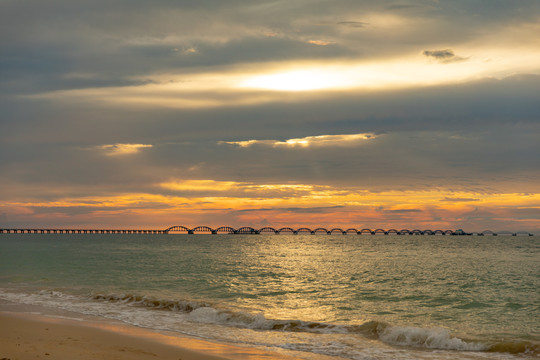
x: 343, y: 113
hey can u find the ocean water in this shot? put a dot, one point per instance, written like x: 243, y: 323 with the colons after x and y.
x: 311, y: 296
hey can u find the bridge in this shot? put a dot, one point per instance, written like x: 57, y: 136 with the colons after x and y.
x: 80, y: 231
x: 265, y: 230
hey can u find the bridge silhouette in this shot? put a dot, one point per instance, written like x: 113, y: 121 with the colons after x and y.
x: 265, y: 230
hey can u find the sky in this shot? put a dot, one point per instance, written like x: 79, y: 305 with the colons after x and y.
x: 405, y: 114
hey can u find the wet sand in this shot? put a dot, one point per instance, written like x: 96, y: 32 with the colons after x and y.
x: 28, y: 336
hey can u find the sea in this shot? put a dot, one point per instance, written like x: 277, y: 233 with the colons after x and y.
x: 315, y: 297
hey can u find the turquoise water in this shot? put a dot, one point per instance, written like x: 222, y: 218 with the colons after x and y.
x: 349, y: 296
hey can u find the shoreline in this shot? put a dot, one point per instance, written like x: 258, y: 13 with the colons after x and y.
x: 29, y: 336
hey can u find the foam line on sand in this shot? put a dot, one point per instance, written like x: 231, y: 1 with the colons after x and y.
x: 30, y: 336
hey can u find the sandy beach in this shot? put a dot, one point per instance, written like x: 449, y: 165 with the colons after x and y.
x: 29, y: 336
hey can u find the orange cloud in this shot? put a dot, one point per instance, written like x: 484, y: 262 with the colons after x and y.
x: 248, y: 204
x: 200, y: 185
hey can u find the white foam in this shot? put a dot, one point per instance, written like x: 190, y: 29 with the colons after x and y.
x: 430, y: 338
x: 238, y: 327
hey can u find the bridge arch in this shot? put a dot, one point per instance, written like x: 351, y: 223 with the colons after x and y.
x: 304, y: 230
x: 439, y: 232
x: 417, y: 232
x: 337, y: 230
x: 427, y: 232
x: 247, y: 230
x: 392, y: 231
x: 268, y: 229
x: 366, y: 231
x: 178, y: 228
x: 405, y: 231
x: 321, y: 230
x: 354, y: 231
x: 225, y: 230
x: 379, y: 231
x: 286, y: 229
x: 203, y: 229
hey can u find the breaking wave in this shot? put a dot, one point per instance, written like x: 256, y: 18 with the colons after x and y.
x: 427, y: 338
x: 144, y: 301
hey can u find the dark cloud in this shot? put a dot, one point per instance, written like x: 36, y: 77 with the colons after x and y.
x: 353, y: 24
x: 313, y: 210
x: 444, y: 56
x: 297, y: 210
x: 456, y: 199
x: 89, y: 210
x: 403, y: 6
x: 440, y: 54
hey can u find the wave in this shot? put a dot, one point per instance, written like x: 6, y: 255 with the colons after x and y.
x: 416, y: 337
x: 144, y: 301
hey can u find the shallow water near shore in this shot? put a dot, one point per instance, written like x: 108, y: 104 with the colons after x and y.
x: 349, y: 296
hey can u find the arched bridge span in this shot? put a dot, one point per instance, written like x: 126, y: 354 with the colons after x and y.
x: 265, y: 230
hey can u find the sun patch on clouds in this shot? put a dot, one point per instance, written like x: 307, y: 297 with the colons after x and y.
x: 201, y: 185
x: 309, y: 141
x: 222, y: 186
x: 122, y: 149
x: 320, y: 42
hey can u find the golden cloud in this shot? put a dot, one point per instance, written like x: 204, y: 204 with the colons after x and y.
x: 320, y: 140
x: 201, y: 185
x: 352, y: 208
x: 121, y: 149
x: 230, y: 186
x: 320, y: 42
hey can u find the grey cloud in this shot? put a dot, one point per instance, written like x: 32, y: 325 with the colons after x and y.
x: 444, y: 56
x: 254, y: 210
x: 405, y: 6
x: 86, y: 210
x: 117, y: 41
x: 527, y: 213
x: 499, y: 219
x: 313, y: 210
x: 481, y: 136
x: 46, y: 68
x: 353, y: 24
x: 440, y: 54
x: 455, y: 199
x: 298, y: 210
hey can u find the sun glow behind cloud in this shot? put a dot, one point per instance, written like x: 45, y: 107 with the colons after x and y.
x: 247, y: 85
x: 298, y: 80
x: 423, y: 69
x: 121, y: 149
x: 200, y: 185
x: 320, y: 140
x: 203, y: 185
